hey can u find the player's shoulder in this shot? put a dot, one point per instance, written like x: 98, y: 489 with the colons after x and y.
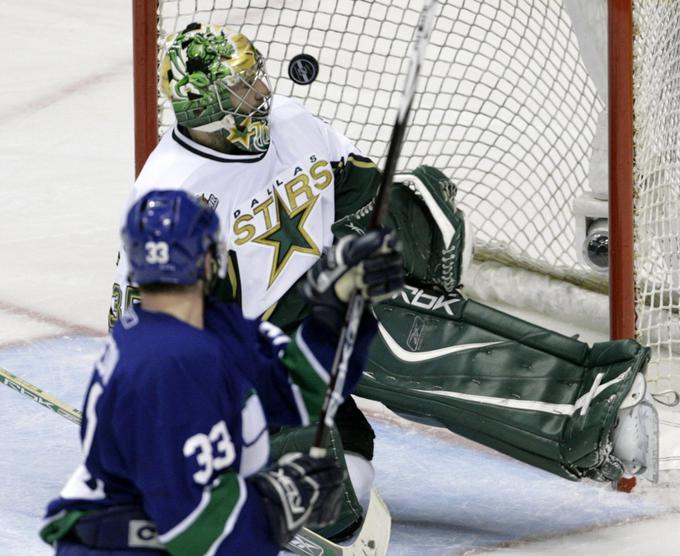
x: 283, y: 104
x: 169, y: 164
x: 216, y: 309
x: 167, y: 151
x: 285, y: 109
x: 228, y: 322
x: 153, y: 346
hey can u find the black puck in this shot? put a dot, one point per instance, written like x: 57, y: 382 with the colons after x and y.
x: 303, y: 69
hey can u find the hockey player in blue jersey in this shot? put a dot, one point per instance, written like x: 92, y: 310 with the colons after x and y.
x: 175, y: 421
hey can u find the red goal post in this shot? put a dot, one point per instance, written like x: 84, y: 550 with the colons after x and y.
x: 621, y: 245
x: 145, y: 77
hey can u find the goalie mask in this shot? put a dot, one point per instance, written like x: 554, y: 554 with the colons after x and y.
x: 216, y: 81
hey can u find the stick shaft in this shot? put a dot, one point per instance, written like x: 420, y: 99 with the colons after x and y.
x: 354, y: 307
x: 37, y: 395
x: 343, y: 353
x: 422, y: 38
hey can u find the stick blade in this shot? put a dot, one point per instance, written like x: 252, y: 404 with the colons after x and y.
x: 374, y: 536
x: 372, y: 540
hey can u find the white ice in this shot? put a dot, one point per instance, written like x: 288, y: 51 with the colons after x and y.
x: 66, y: 165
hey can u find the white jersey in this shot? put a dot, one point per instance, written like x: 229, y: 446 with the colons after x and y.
x: 276, y: 208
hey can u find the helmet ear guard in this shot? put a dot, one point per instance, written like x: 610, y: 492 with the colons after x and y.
x: 216, y: 81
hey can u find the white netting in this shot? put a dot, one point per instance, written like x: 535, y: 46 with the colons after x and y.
x: 657, y: 177
x: 505, y: 107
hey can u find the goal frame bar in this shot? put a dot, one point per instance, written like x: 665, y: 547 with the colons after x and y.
x: 145, y: 78
x: 621, y: 222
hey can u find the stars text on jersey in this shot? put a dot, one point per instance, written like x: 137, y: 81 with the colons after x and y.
x: 277, y: 218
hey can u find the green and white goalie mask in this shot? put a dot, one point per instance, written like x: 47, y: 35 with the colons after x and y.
x: 216, y: 81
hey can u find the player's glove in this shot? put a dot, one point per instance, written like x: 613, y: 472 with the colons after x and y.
x: 298, y: 491
x: 370, y: 264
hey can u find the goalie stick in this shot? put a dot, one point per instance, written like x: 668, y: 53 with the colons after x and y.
x: 372, y: 540
x: 355, y: 307
x: 373, y: 536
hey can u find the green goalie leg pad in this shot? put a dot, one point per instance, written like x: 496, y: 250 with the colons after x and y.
x: 300, y: 439
x: 536, y: 395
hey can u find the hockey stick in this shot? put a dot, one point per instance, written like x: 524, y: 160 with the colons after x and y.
x: 37, y: 395
x: 355, y: 307
x: 371, y: 540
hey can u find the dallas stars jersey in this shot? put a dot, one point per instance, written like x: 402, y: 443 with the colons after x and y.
x: 276, y: 208
x: 176, y: 419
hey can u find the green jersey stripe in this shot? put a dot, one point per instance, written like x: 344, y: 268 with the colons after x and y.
x: 307, y: 373
x: 202, y: 532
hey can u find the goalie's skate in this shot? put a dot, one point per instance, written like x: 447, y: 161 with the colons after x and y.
x: 635, y: 435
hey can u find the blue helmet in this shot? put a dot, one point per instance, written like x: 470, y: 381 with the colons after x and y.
x: 167, y: 235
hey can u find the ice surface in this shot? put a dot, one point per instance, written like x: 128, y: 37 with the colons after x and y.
x: 453, y: 497
x: 446, y: 495
x: 39, y: 449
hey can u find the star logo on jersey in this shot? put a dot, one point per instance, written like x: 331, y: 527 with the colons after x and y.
x: 242, y: 134
x: 288, y: 236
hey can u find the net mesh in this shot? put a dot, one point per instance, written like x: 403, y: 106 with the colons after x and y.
x: 508, y: 106
x: 504, y: 106
x: 656, y: 82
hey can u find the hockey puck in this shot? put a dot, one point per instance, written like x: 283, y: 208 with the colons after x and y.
x: 303, y: 69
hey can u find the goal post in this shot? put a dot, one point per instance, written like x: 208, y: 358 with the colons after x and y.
x: 145, y: 36
x: 511, y: 109
x: 621, y: 221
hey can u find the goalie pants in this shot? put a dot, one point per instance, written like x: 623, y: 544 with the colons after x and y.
x: 112, y: 531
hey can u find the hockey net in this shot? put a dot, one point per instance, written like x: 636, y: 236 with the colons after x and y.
x: 511, y: 105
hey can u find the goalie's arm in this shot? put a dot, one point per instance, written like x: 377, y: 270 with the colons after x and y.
x: 356, y: 177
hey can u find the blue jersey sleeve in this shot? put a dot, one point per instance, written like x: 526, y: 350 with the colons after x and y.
x: 309, y: 359
x: 290, y: 375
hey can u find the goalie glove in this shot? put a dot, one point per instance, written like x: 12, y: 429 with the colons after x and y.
x: 298, y: 491
x: 437, y: 238
x: 370, y: 264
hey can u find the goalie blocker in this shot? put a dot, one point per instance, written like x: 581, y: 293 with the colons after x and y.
x: 539, y: 396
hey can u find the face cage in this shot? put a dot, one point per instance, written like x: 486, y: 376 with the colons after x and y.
x: 235, y: 115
